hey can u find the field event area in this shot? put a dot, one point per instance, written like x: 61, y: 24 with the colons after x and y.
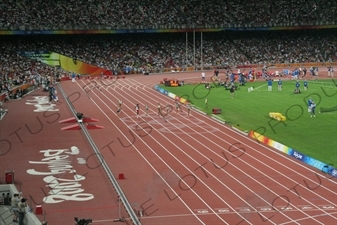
x: 252, y: 103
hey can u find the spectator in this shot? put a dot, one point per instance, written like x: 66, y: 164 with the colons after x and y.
x: 22, y: 210
x: 15, y: 207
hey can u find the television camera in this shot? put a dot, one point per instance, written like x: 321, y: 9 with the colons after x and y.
x: 82, y: 221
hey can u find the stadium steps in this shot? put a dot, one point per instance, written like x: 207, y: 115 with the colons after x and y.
x: 6, y: 216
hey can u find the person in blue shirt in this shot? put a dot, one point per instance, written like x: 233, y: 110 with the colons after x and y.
x: 305, y: 85
x: 232, y: 78
x: 279, y: 85
x: 52, y: 93
x: 270, y: 84
x: 313, y: 109
x: 312, y: 71
x: 309, y: 104
x: 297, y: 85
x: 295, y: 74
x: 73, y: 77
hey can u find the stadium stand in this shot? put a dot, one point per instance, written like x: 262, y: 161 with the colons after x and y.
x: 133, y: 14
x: 157, y: 52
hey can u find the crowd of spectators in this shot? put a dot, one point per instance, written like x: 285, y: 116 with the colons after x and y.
x: 18, y: 206
x: 289, y: 47
x: 17, y: 70
x: 155, y: 52
x: 105, y: 14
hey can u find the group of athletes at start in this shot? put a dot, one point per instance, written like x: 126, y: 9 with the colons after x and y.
x: 159, y: 108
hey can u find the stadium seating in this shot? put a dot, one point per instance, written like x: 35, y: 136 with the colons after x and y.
x: 164, y: 53
x: 167, y: 14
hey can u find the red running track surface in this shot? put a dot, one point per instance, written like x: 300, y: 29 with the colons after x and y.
x: 255, y: 184
x: 185, y: 170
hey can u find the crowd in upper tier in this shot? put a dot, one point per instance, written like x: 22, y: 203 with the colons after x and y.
x: 100, y: 14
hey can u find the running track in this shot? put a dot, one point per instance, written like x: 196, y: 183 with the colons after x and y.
x: 195, y: 170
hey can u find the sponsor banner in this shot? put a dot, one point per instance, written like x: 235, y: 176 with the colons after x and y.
x: 67, y: 63
x: 107, y: 31
x: 171, y: 95
x: 333, y: 172
x: 94, y: 30
x: 256, y: 136
x: 161, y: 90
x: 314, y: 162
x: 35, y: 54
x: 280, y: 147
x: 296, y: 154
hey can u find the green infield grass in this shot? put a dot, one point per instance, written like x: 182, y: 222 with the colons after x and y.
x: 313, y: 136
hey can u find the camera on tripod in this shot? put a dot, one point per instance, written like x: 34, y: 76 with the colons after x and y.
x: 82, y: 221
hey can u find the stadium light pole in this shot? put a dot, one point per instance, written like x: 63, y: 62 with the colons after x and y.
x: 194, y: 49
x: 186, y: 51
x: 201, y: 62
